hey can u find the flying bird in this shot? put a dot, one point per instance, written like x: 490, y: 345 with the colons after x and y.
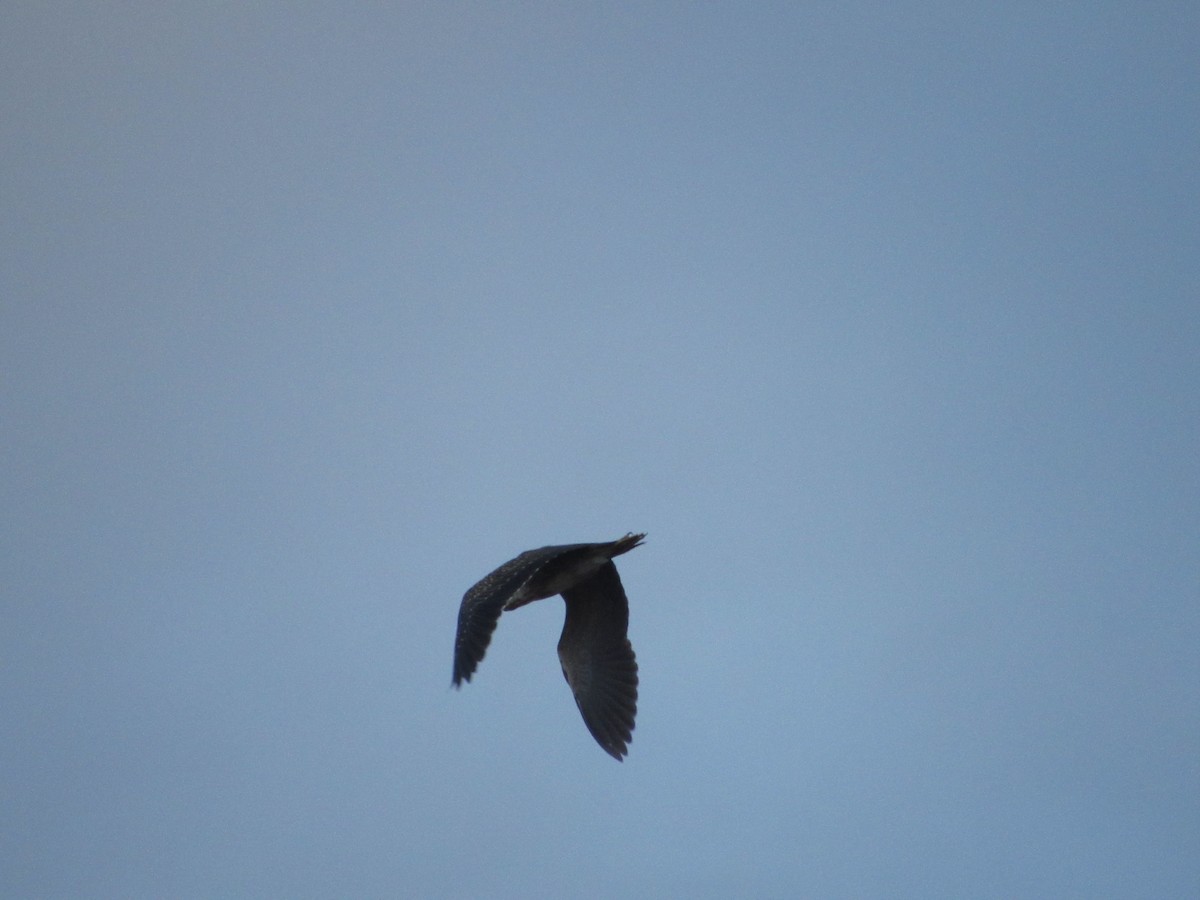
x: 594, y: 650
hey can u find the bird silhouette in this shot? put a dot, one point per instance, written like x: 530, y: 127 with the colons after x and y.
x: 594, y: 650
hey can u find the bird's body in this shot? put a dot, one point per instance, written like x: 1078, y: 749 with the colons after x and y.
x: 594, y: 650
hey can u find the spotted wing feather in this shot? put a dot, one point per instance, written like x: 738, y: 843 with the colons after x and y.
x: 483, y: 603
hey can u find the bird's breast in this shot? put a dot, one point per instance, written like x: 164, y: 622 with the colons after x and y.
x: 556, y: 577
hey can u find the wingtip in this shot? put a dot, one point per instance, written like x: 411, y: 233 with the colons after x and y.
x: 618, y: 750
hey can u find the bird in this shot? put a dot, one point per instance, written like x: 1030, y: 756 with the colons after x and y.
x: 594, y: 651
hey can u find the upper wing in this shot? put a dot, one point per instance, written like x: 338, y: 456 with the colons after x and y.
x: 597, y: 658
x: 483, y: 603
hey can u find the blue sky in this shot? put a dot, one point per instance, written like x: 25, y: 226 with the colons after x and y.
x: 881, y: 319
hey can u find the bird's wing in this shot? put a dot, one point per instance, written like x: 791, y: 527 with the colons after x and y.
x: 483, y: 603
x: 597, y: 658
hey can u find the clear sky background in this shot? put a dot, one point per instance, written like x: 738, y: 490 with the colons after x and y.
x: 882, y: 319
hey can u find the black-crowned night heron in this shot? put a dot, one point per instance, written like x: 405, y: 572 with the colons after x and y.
x: 596, y: 656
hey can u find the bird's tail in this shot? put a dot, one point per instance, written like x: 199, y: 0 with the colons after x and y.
x: 625, y: 544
